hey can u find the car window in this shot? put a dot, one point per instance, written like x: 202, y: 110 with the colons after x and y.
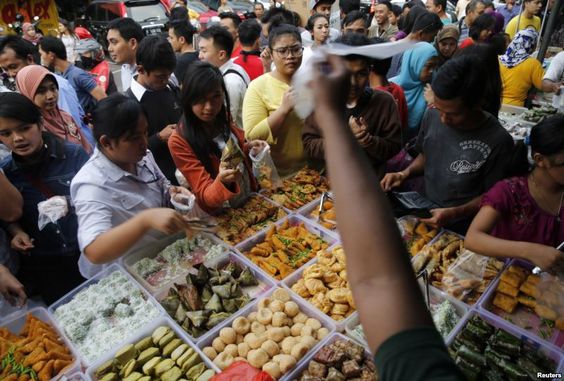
x: 197, y: 6
x: 147, y: 12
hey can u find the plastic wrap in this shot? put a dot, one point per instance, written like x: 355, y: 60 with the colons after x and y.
x: 264, y: 169
x: 51, y: 210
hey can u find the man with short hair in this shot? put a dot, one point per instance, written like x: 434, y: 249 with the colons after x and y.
x: 258, y: 8
x: 348, y: 6
x: 439, y: 7
x: 124, y: 36
x: 372, y: 115
x: 355, y: 22
x: 249, y: 58
x: 381, y: 26
x: 180, y: 36
x: 231, y: 22
x: 15, y: 54
x: 474, y: 9
x: 526, y: 19
x: 159, y: 99
x: 323, y: 7
x: 54, y: 54
x: 216, y: 46
x: 508, y: 10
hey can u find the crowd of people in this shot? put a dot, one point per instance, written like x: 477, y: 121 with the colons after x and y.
x: 425, y: 120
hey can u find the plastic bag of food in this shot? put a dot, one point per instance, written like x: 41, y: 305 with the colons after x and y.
x: 51, y: 210
x: 465, y: 274
x: 183, y: 203
x: 549, y: 297
x: 264, y: 169
x: 242, y: 371
x: 232, y: 156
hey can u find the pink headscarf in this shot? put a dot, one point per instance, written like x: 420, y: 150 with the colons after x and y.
x: 56, y: 121
x: 34, y: 40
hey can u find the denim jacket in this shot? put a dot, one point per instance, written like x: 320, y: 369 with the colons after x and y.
x: 61, y: 162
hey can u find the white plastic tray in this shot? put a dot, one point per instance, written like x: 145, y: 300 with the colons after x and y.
x: 297, y: 275
x: 265, y: 282
x: 309, y: 208
x: 147, y: 331
x: 152, y: 250
x: 75, y: 377
x: 17, y: 321
x: 300, y: 368
x: 70, y: 296
x: 306, y: 308
x: 326, y: 235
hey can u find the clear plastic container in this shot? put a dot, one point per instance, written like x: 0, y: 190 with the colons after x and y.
x: 306, y: 308
x: 17, y: 321
x: 75, y: 377
x: 297, y: 275
x: 303, y: 365
x: 152, y: 250
x: 523, y: 318
x: 293, y: 220
x: 405, y: 220
x: 548, y: 350
x: 147, y: 331
x: 307, y: 211
x: 159, y: 311
x: 265, y: 282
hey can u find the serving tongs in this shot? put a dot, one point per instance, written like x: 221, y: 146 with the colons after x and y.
x: 425, y: 275
x: 325, y: 196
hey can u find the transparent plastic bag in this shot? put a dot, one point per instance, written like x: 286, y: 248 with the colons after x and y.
x: 264, y: 169
x: 465, y: 274
x: 183, y: 203
x: 51, y: 210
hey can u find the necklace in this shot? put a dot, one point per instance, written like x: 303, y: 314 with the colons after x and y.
x: 545, y: 201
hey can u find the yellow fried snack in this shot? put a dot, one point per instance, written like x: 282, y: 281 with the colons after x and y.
x: 506, y: 303
x: 507, y: 289
x: 304, y: 187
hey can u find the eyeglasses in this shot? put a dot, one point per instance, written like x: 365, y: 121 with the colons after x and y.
x: 296, y: 50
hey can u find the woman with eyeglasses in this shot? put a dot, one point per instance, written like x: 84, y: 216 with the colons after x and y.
x: 521, y: 216
x: 206, y: 129
x: 122, y: 199
x: 268, y: 107
x: 41, y: 167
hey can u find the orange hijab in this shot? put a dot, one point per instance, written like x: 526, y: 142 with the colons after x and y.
x: 56, y: 121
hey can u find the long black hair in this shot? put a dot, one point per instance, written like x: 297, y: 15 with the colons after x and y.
x: 483, y: 22
x: 200, y: 79
x: 16, y: 106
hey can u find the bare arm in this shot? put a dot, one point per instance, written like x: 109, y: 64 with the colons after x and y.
x: 113, y: 243
x: 98, y: 93
x: 12, y: 201
x: 395, y: 179
x: 480, y: 240
x: 444, y: 216
x: 380, y: 274
x: 549, y: 86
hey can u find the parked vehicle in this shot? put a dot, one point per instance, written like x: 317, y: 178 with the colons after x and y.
x: 152, y: 15
x: 241, y: 7
x: 205, y: 12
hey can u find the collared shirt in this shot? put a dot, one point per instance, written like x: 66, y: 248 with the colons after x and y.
x: 49, y: 178
x: 388, y: 32
x: 236, y: 88
x: 106, y: 196
x: 83, y: 83
x: 127, y: 73
x: 508, y: 14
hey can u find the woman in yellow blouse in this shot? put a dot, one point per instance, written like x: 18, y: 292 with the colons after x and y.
x: 268, y: 108
x: 519, y: 71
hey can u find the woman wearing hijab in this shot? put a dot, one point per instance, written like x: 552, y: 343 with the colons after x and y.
x: 446, y: 42
x: 519, y: 71
x: 416, y: 71
x: 40, y: 86
x: 29, y: 33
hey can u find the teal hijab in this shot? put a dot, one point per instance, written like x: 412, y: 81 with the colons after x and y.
x: 413, y: 62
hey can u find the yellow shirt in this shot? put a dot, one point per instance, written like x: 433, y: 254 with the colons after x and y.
x: 263, y: 97
x: 524, y: 23
x: 518, y: 80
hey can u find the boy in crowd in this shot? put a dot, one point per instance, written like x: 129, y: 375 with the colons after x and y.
x: 180, y: 36
x: 381, y: 26
x: 249, y: 56
x: 124, y: 36
x: 231, y: 22
x: 355, y: 22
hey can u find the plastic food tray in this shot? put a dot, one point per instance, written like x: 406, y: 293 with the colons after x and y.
x: 547, y: 349
x: 290, y: 280
x: 522, y: 318
x: 308, y: 209
x: 488, y: 287
x: 17, y: 321
x: 147, y: 331
x: 152, y: 250
x: 70, y: 296
x: 286, y: 211
x: 75, y: 377
x: 300, y: 368
x: 415, y: 220
x: 265, y: 282
x: 306, y: 308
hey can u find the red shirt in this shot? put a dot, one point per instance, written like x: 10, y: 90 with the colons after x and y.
x: 236, y: 50
x: 399, y: 96
x: 252, y: 65
x: 466, y: 43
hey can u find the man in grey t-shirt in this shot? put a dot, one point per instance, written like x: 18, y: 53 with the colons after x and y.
x: 463, y: 150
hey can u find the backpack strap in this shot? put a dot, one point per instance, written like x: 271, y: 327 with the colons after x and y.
x: 236, y: 72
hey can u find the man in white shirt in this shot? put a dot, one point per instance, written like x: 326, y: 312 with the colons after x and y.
x: 216, y: 46
x: 554, y: 76
x: 123, y: 37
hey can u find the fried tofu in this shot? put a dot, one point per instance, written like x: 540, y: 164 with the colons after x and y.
x: 506, y: 303
x: 529, y: 289
x: 518, y: 270
x: 527, y: 301
x: 507, y: 289
x: 545, y: 312
x: 512, y: 278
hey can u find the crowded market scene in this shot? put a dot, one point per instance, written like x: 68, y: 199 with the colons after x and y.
x: 263, y: 190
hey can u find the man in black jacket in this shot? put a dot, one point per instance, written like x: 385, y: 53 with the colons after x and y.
x: 159, y: 99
